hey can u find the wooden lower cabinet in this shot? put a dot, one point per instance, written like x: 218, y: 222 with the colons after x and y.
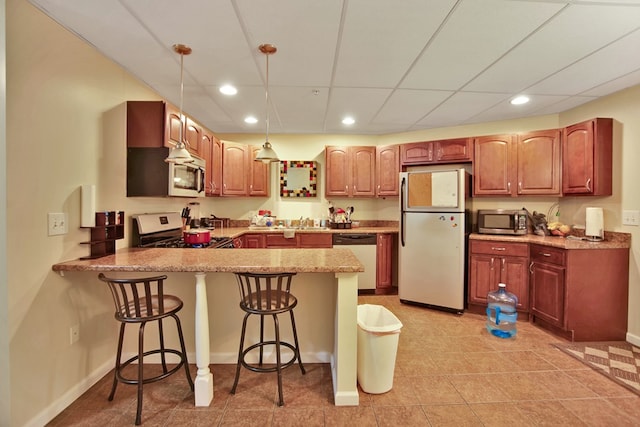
x: 493, y: 262
x: 384, y: 263
x: 278, y: 241
x: 581, y: 294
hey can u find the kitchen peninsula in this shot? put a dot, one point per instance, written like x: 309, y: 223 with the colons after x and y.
x: 335, y: 263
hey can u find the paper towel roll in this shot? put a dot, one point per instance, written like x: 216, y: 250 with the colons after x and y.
x: 88, y: 206
x: 594, y: 224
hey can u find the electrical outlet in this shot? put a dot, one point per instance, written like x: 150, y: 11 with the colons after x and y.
x: 74, y: 334
x: 631, y: 218
x: 57, y: 223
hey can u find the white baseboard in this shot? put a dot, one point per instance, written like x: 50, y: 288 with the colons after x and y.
x: 633, y: 339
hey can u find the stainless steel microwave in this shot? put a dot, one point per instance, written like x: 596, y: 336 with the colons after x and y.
x: 148, y: 175
x: 502, y: 221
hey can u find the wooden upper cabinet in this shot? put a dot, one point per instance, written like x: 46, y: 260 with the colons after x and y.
x: 416, y: 153
x: 363, y: 178
x: 350, y: 171
x: 494, y: 166
x: 387, y: 170
x: 259, y: 173
x: 212, y: 153
x: 193, y: 137
x: 587, y: 151
x: 147, y: 124
x: 539, y: 163
x: 453, y: 150
x: 234, y: 169
x: 173, y: 124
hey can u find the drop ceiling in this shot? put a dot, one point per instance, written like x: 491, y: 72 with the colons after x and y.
x: 394, y: 66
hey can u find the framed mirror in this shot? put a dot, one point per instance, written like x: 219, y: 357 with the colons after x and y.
x: 298, y: 178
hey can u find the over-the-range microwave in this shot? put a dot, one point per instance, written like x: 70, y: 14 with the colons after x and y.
x: 148, y: 175
x: 502, y: 221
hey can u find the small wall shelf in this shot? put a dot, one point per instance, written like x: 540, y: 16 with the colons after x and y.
x: 109, y: 228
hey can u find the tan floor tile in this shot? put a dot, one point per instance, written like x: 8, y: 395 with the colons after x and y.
x: 247, y: 417
x: 393, y: 416
x: 599, y: 383
x: 361, y: 416
x: 563, y: 386
x: 598, y: 412
x: 628, y: 405
x: 188, y: 417
x: 451, y: 415
x: 401, y: 394
x: 502, y: 414
x: 435, y: 389
x: 478, y: 388
x: 547, y: 413
x: 293, y: 417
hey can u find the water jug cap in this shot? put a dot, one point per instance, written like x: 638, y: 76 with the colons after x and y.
x: 502, y: 285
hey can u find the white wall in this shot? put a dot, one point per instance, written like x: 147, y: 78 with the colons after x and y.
x: 65, y: 128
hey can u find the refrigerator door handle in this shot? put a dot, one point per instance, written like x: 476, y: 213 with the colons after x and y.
x: 402, y: 185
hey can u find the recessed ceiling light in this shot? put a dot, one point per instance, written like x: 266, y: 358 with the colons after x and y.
x: 348, y: 121
x: 519, y: 100
x: 251, y: 120
x: 228, y: 90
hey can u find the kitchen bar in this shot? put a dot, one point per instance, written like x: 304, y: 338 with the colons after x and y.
x: 339, y: 262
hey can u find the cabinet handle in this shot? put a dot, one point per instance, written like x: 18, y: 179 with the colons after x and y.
x: 509, y: 187
x: 520, y: 187
x: 346, y: 188
x: 531, y: 267
x: 589, y: 184
x: 544, y: 254
x: 492, y: 262
x: 503, y: 262
x: 495, y: 248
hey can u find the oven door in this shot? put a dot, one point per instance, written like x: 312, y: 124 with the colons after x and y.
x: 187, y: 179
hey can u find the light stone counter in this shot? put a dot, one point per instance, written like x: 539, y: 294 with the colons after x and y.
x: 338, y: 262
x: 612, y: 240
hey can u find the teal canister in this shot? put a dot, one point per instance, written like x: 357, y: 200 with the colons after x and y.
x: 501, y: 312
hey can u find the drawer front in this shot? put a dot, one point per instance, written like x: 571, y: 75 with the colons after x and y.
x: 499, y: 248
x: 279, y: 241
x: 315, y: 240
x: 547, y: 254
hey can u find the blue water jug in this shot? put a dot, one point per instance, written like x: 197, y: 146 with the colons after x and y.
x: 501, y: 312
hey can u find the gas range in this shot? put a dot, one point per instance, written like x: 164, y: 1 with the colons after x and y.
x: 164, y: 230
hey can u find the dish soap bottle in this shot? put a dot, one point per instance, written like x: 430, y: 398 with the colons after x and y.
x: 501, y: 312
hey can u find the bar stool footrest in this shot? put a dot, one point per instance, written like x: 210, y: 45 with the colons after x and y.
x: 274, y: 368
x: 163, y: 375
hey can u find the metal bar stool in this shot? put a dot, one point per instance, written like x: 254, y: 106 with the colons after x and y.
x: 267, y: 294
x: 138, y: 301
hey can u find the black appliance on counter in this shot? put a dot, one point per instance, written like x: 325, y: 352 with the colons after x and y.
x: 164, y: 230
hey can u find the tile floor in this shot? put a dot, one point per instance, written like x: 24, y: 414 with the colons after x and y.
x: 449, y: 372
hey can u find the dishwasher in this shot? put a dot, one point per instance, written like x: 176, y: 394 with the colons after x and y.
x: 363, y: 246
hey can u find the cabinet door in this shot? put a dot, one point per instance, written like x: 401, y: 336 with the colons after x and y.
x: 387, y: 170
x: 453, y: 150
x: 494, y: 166
x: 173, y: 126
x: 337, y: 181
x: 416, y: 153
x: 145, y: 124
x: 482, y: 277
x: 234, y: 174
x: 193, y: 137
x: 547, y: 292
x: 587, y: 158
x: 384, y: 263
x: 539, y: 163
x: 279, y: 241
x: 514, y: 272
x: 253, y: 241
x: 363, y: 169
x: 214, y: 168
x: 259, y: 173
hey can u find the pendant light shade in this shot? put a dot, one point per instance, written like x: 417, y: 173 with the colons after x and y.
x: 267, y: 154
x: 179, y: 153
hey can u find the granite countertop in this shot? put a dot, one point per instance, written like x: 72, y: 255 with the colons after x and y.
x: 336, y: 260
x: 612, y: 240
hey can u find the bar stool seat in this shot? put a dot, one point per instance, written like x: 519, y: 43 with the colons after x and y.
x: 139, y: 301
x: 267, y: 295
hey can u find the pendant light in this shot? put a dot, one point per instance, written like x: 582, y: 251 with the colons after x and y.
x: 266, y: 154
x: 179, y: 153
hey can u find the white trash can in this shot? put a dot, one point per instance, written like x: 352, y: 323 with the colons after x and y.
x: 378, y: 334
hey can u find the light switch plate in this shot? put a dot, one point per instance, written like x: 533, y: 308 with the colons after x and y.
x: 631, y: 217
x: 57, y: 223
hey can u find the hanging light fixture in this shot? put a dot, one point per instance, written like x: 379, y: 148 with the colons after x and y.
x: 266, y: 154
x: 180, y: 154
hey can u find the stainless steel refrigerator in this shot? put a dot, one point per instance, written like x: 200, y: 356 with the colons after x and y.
x: 434, y: 227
